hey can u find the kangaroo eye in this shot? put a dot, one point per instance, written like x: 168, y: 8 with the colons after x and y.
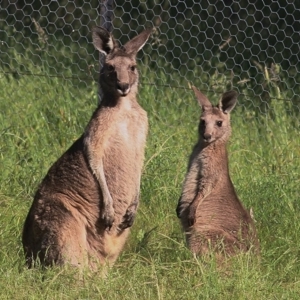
x: 132, y: 68
x: 202, y: 123
x: 219, y: 123
x: 110, y: 68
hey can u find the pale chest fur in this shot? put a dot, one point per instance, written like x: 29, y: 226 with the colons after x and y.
x: 129, y: 133
x: 124, y: 154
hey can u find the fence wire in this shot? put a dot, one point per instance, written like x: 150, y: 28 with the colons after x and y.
x: 251, y: 46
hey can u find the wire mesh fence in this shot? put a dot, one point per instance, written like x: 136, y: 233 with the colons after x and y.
x: 251, y: 46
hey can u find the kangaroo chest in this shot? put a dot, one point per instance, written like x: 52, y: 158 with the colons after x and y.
x: 219, y: 201
x: 129, y: 135
x: 124, y: 156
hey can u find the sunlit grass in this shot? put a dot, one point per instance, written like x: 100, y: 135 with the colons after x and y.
x: 41, y: 117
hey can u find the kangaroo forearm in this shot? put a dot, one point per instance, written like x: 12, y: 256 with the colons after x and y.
x: 103, y: 184
x: 94, y: 150
x: 205, y: 189
x: 188, y: 194
x: 190, y: 186
x: 107, y: 211
x: 196, y: 201
x: 95, y: 159
x: 98, y: 171
x: 202, y: 193
x: 187, y: 198
x: 185, y: 201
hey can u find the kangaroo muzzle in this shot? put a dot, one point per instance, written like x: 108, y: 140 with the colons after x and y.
x: 207, y: 137
x: 123, y: 88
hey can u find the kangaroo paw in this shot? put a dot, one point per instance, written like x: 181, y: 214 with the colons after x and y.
x: 108, y: 216
x: 191, y: 215
x: 128, y: 219
x: 178, y: 210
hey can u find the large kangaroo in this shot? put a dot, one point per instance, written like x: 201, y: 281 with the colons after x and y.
x: 211, y: 214
x: 84, y: 207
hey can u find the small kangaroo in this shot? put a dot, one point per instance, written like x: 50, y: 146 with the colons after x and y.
x: 83, y: 209
x: 211, y: 214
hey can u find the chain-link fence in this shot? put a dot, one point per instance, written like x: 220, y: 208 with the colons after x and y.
x: 251, y: 46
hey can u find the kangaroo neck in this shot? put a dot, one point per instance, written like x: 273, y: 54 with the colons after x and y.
x: 214, y: 155
x: 114, y: 99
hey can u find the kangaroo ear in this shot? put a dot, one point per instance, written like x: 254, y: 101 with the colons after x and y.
x: 103, y: 40
x: 137, y: 43
x: 228, y: 101
x: 202, y: 99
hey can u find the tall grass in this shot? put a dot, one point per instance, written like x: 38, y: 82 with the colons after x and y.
x: 41, y: 117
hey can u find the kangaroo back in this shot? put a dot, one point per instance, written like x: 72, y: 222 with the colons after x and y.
x: 210, y: 211
x: 87, y: 202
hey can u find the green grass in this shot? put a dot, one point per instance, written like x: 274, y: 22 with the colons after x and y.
x: 40, y: 118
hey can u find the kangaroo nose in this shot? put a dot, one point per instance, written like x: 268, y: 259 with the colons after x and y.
x: 123, y: 88
x: 207, y: 136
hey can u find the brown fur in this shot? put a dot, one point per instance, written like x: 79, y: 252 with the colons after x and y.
x: 86, y: 204
x: 211, y: 214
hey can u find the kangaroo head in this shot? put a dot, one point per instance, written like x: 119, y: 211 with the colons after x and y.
x: 119, y: 75
x: 215, y: 120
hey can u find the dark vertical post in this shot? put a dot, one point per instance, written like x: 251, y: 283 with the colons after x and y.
x: 106, y: 19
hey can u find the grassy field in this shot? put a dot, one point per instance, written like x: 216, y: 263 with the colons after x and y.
x: 41, y: 117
